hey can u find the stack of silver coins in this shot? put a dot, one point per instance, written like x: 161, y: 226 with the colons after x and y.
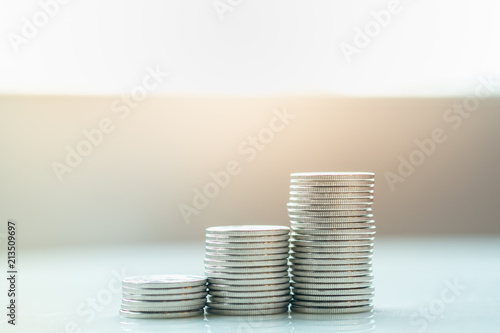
x: 163, y: 296
x: 332, y: 241
x: 247, y: 269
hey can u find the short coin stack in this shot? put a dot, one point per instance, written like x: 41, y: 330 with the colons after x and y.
x: 332, y: 241
x: 163, y: 296
x: 247, y: 269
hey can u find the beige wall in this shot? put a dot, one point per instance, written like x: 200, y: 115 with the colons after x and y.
x: 129, y: 188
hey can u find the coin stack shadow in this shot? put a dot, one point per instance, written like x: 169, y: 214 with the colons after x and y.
x: 331, y: 241
x: 163, y: 296
x: 247, y: 269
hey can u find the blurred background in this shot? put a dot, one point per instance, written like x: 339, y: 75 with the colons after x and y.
x: 133, y: 122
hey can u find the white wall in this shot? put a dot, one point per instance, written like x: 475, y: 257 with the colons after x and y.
x: 101, y: 47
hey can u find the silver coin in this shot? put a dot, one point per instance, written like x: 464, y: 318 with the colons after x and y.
x: 250, y: 300
x: 336, y: 239
x: 332, y: 304
x: 334, y: 182
x: 164, y: 281
x: 217, y: 256
x: 332, y: 268
x: 355, y: 319
x: 353, y: 309
x: 323, y: 247
x: 250, y: 294
x: 332, y: 175
x: 245, y: 230
x: 248, y: 276
x: 280, y: 280
x: 168, y: 291
x: 262, y: 245
x: 308, y: 285
x: 165, y: 297
x: 234, y: 278
x: 163, y: 308
x: 336, y: 249
x: 341, y: 201
x: 244, y: 252
x: 329, y: 271
x: 318, y: 212
x: 250, y: 288
x: 260, y: 263
x: 324, y: 274
x: 244, y: 312
x: 163, y: 304
x: 332, y: 186
x: 294, y: 195
x: 328, y: 207
x: 316, y: 263
x: 244, y: 239
x: 332, y: 189
x: 353, y: 279
x: 331, y: 251
x: 160, y: 315
x: 334, y: 242
x: 334, y: 292
x: 347, y: 219
x: 319, y: 257
x: 247, y: 306
x: 244, y: 270
x: 322, y: 225
x: 310, y: 298
x: 370, y: 231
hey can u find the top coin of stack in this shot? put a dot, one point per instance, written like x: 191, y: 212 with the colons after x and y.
x: 163, y: 296
x: 332, y: 241
x: 247, y: 269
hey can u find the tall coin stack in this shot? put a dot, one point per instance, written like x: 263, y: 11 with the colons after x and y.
x: 332, y: 241
x: 247, y: 269
x: 163, y: 296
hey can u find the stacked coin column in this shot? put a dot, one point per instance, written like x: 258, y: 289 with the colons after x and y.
x: 247, y: 269
x: 163, y: 296
x: 332, y: 242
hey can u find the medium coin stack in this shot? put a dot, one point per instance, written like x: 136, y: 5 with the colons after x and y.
x: 163, y: 296
x: 247, y: 270
x: 332, y: 241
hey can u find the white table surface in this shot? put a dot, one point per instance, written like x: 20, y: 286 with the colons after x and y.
x: 57, y: 288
